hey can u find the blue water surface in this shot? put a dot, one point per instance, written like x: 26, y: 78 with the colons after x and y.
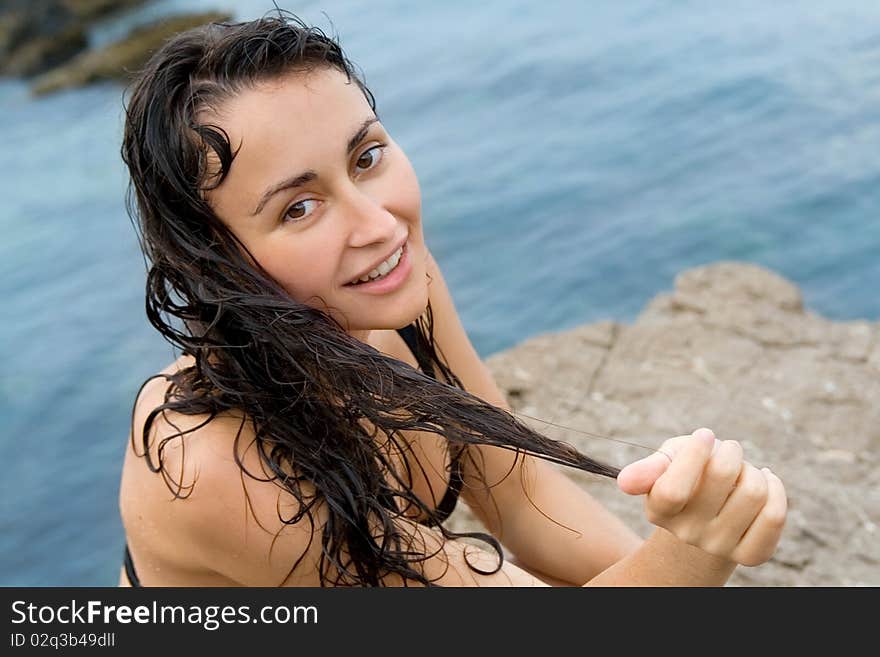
x: 573, y: 157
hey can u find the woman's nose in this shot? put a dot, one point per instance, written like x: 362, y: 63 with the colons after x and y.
x: 369, y: 221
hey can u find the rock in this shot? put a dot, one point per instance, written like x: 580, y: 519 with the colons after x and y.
x: 38, y: 35
x: 35, y: 36
x: 118, y: 60
x: 90, y: 10
x: 42, y: 53
x: 14, y: 29
x: 731, y: 348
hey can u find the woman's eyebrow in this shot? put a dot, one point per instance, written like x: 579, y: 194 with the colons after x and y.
x: 309, y: 176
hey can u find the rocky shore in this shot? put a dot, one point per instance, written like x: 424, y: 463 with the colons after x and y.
x: 46, y: 41
x: 731, y: 348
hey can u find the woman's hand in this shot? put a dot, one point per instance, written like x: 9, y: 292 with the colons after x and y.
x: 701, y: 490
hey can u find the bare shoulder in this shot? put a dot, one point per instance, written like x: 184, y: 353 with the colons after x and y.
x: 225, y: 527
x: 455, y: 346
x: 202, y: 520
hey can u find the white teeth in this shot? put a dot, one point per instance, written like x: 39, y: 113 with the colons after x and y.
x: 383, y: 268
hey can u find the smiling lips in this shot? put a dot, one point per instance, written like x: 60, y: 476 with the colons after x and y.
x: 392, y: 273
x: 382, y: 268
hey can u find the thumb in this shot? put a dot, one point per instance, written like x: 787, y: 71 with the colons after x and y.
x: 638, y: 477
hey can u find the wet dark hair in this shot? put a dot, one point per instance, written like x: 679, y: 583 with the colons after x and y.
x: 291, y: 370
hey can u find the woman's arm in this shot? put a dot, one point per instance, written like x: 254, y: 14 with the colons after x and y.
x: 546, y: 520
x: 712, y: 508
x: 229, y: 525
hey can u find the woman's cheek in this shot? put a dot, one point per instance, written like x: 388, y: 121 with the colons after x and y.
x: 291, y: 272
x: 408, y: 200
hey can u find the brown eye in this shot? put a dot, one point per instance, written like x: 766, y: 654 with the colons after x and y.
x: 370, y: 158
x: 300, y: 210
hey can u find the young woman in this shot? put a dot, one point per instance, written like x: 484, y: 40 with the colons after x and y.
x: 328, y: 408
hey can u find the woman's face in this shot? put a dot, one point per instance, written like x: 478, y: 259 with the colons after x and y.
x: 321, y: 195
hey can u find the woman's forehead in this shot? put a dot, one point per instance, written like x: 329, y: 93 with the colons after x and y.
x: 320, y: 98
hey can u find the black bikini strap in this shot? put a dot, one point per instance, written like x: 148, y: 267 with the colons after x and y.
x: 410, y: 336
x: 129, y: 569
x: 453, y: 490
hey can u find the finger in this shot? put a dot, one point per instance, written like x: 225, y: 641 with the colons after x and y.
x: 638, y: 477
x: 760, y: 540
x: 673, y: 489
x: 739, y: 511
x: 717, y: 481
